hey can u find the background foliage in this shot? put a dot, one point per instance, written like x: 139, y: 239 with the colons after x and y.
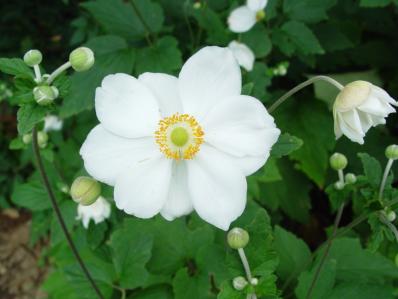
x: 290, y: 206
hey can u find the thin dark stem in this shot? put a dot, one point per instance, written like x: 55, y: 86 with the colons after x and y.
x: 144, y: 23
x: 326, y: 252
x: 47, y: 185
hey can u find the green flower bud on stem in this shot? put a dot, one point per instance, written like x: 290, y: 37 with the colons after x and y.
x: 85, y: 190
x: 390, y: 215
x: 392, y: 152
x: 338, y: 161
x: 237, y: 238
x: 45, y: 95
x: 42, y: 139
x: 339, y: 185
x: 81, y: 59
x: 32, y: 57
x: 27, y: 138
x: 350, y: 178
x: 239, y: 283
x: 254, y: 281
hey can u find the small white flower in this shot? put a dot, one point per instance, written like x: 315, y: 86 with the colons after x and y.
x: 243, y: 54
x: 98, y: 212
x: 52, y: 123
x: 170, y: 145
x: 244, y: 17
x: 359, y: 106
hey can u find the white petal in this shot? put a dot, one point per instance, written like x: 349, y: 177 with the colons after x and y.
x: 243, y: 55
x: 165, y: 88
x: 218, y: 188
x: 256, y: 5
x: 366, y: 120
x: 106, y: 155
x: 178, y: 201
x: 337, y: 131
x: 376, y: 107
x: 142, y: 189
x: 250, y: 164
x: 348, y: 131
x: 241, y: 19
x: 52, y: 123
x: 382, y: 94
x: 126, y: 107
x: 352, y: 120
x: 209, y: 76
x: 98, y: 211
x: 241, y: 126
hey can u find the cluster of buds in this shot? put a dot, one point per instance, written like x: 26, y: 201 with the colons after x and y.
x: 42, y: 139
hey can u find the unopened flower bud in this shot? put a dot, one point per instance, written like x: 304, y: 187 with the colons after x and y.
x: 350, y: 178
x: 391, y: 216
x: 45, y: 95
x: 338, y: 161
x: 32, y: 57
x: 237, y: 238
x: 27, y: 138
x: 81, y: 59
x: 392, y: 152
x: 197, y: 5
x: 254, y: 281
x: 239, y: 283
x: 85, y: 190
x: 42, y: 139
x: 339, y: 185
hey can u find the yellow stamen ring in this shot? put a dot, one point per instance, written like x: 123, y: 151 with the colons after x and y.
x: 179, y: 136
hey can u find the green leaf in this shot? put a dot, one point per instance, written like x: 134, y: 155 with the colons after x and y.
x: 353, y: 290
x: 69, y: 213
x: 294, y: 254
x: 228, y: 292
x: 302, y: 37
x: 164, y: 57
x: 28, y: 116
x: 131, y: 251
x: 160, y: 292
x: 16, y: 67
x: 375, y: 3
x: 186, y: 285
x: 120, y: 18
x: 31, y: 196
x: 371, y: 168
x: 112, y: 56
x: 285, y: 145
x: 16, y: 144
x: 309, y: 11
x: 257, y: 39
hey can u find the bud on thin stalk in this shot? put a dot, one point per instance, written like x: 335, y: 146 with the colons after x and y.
x: 85, y: 190
x: 237, y: 238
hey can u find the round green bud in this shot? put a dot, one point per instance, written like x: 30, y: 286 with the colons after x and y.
x: 338, y: 161
x: 237, y: 238
x: 350, y: 178
x: 42, y: 139
x: 32, y: 57
x: 197, y: 5
x: 392, y: 152
x: 81, y: 59
x: 45, y: 95
x: 239, y: 283
x: 254, y: 281
x: 85, y: 190
x: 339, y: 185
x: 27, y: 138
x: 391, y: 216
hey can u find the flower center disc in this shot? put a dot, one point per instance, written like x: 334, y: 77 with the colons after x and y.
x: 179, y: 136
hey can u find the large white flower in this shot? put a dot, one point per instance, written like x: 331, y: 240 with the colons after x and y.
x: 359, y: 106
x: 244, y: 17
x: 170, y: 145
x: 98, y: 212
x: 243, y: 54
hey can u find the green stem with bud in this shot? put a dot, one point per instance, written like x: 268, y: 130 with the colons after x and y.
x: 301, y: 86
x: 384, y: 180
x: 341, y: 176
x: 246, y: 266
x: 36, y: 69
x: 51, y: 195
x: 391, y: 226
x: 58, y: 71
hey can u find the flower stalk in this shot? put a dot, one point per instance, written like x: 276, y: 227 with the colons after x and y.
x: 384, y: 180
x: 58, y: 71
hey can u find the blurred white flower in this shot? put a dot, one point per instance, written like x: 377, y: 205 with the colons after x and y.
x: 359, y: 106
x: 98, y: 212
x: 170, y: 145
x: 244, y: 17
x: 52, y: 123
x: 243, y: 54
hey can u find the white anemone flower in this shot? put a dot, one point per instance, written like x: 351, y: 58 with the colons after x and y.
x: 52, y: 123
x: 98, y: 212
x: 359, y: 106
x: 243, y: 54
x: 170, y: 145
x: 244, y: 17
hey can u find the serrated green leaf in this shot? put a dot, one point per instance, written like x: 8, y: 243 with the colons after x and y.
x: 285, y: 145
x: 16, y: 67
x: 310, y: 11
x: 371, y: 168
x: 364, y: 291
x: 31, y: 195
x: 257, y: 39
x: 28, y: 116
x: 186, y: 285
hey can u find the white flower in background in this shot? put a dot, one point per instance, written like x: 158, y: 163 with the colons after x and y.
x: 98, y: 212
x: 52, y: 123
x: 170, y: 145
x: 359, y: 106
x: 242, y: 54
x: 244, y: 17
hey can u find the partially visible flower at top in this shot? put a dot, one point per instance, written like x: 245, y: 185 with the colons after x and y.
x: 359, y: 106
x: 243, y: 54
x: 170, y: 145
x: 244, y: 17
x: 98, y: 212
x: 52, y: 123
